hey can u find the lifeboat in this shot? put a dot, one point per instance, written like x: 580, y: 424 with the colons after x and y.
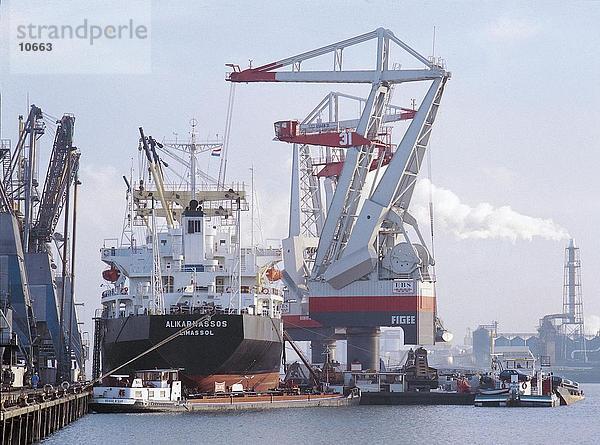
x: 273, y: 274
x: 111, y: 274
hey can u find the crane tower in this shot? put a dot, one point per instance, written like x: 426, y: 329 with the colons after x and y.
x: 365, y: 270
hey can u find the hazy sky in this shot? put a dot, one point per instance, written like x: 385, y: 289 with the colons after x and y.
x: 514, y: 148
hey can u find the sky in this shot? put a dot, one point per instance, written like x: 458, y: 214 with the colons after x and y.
x: 514, y: 148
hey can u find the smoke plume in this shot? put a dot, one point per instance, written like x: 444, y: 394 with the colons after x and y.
x: 481, y: 221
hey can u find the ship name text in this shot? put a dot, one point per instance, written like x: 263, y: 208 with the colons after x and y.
x: 190, y: 323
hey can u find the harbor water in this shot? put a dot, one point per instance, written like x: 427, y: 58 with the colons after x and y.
x: 577, y: 423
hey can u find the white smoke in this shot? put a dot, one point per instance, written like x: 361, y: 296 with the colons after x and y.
x: 481, y: 221
x: 592, y: 324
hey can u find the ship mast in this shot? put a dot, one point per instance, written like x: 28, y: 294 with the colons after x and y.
x: 193, y: 122
x: 157, y: 294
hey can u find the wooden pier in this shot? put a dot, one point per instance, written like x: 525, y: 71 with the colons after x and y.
x: 29, y: 416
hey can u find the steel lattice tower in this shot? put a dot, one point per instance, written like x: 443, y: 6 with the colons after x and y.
x: 573, y: 325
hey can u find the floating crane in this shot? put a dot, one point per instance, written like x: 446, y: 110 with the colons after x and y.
x: 367, y: 272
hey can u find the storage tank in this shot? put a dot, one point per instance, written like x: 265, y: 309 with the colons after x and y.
x: 481, y: 347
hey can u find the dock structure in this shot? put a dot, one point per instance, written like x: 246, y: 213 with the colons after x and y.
x: 29, y: 416
x: 417, y: 398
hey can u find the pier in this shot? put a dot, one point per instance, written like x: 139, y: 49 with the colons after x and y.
x: 28, y: 416
x: 417, y: 398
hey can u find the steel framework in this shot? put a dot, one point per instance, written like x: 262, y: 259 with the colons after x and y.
x: 366, y: 272
x: 62, y: 169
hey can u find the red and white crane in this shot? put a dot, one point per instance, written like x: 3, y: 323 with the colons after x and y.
x: 367, y: 273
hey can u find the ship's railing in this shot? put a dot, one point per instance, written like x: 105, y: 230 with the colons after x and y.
x: 112, y: 292
x: 222, y: 289
x: 235, y: 186
x: 198, y: 268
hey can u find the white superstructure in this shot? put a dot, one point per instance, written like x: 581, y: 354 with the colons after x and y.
x: 194, y: 263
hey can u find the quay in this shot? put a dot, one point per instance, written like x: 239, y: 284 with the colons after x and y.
x: 417, y: 398
x: 28, y: 416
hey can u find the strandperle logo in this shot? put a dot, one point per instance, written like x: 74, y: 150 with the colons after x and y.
x: 88, y: 30
x: 78, y: 36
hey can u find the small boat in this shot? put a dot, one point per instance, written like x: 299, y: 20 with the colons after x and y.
x: 155, y: 387
x: 518, y: 383
x: 514, y: 397
x: 160, y: 390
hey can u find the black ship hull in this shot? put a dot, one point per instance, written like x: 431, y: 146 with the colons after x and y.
x: 244, y: 349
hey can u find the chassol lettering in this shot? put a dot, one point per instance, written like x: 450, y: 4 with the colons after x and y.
x: 198, y: 332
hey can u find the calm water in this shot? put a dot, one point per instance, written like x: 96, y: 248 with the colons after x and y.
x: 577, y: 424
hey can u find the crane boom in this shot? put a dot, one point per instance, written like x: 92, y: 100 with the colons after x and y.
x: 156, y: 171
x: 63, y: 166
x: 395, y: 188
x: 265, y: 73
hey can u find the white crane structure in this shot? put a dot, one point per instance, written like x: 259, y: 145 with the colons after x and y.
x: 309, y: 197
x: 366, y: 271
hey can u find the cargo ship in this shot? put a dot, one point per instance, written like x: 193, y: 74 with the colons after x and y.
x: 180, y: 258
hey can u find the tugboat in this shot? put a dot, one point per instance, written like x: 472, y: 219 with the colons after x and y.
x: 517, y: 382
x: 180, y: 258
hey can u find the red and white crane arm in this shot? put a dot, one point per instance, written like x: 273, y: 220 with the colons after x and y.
x: 344, y: 230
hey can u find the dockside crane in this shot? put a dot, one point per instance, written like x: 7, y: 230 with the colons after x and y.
x: 62, y: 169
x: 367, y: 272
x: 51, y: 334
x: 321, y: 128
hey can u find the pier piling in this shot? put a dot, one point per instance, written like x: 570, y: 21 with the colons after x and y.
x: 29, y: 416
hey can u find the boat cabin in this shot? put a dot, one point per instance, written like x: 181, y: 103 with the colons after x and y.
x: 144, y: 387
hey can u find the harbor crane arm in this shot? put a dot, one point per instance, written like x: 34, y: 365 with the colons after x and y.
x: 266, y: 73
x: 338, y: 227
x: 395, y: 189
x: 62, y: 168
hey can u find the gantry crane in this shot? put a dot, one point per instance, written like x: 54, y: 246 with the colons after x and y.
x: 367, y: 273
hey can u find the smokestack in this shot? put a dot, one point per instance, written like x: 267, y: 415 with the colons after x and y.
x: 572, y: 295
x: 571, y: 284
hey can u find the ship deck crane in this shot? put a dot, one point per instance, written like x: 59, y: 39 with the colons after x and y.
x: 149, y: 145
x: 367, y: 273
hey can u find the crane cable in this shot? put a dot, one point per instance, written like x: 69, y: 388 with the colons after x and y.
x: 226, y: 136
x: 431, y: 223
x: 194, y: 324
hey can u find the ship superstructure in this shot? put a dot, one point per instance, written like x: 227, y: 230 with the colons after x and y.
x: 181, y: 257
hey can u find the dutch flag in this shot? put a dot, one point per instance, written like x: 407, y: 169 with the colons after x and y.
x: 216, y: 151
